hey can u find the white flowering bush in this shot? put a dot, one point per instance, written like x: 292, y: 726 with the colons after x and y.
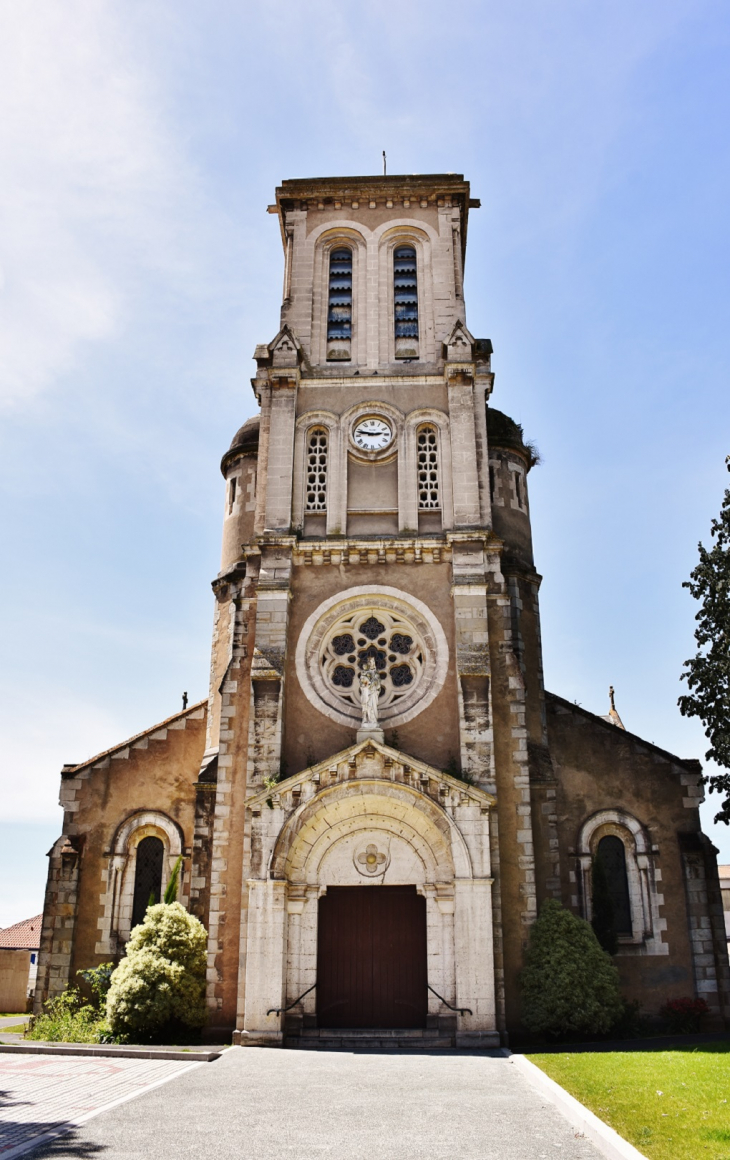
x: 161, y: 981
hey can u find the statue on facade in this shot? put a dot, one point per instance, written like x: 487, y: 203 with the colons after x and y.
x: 370, y: 686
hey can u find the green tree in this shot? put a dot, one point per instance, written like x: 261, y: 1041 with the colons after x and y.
x: 603, y: 918
x: 569, y: 984
x: 708, y: 673
x: 160, y: 985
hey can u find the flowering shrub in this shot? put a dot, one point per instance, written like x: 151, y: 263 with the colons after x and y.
x: 161, y: 981
x: 684, y: 1015
x: 67, y: 1019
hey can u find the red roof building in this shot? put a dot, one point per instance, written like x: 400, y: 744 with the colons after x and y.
x: 23, y: 936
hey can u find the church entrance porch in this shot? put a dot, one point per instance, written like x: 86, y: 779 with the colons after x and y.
x: 371, y: 958
x: 368, y: 898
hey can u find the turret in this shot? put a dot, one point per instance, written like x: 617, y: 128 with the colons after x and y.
x: 238, y: 467
x: 510, y: 460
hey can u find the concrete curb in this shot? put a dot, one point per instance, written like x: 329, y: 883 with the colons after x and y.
x: 104, y: 1050
x: 608, y: 1142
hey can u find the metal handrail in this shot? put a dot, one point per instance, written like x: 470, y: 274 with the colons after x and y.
x: 283, y: 1010
x: 459, y: 1010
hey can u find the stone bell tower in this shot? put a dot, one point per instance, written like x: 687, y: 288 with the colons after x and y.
x: 365, y: 525
x: 378, y: 792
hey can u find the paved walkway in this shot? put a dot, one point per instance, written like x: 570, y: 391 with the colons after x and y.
x: 271, y: 1105
x: 40, y: 1094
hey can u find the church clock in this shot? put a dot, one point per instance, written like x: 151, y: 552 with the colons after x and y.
x: 373, y: 434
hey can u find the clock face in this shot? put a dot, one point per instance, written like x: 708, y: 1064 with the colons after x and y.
x: 372, y: 434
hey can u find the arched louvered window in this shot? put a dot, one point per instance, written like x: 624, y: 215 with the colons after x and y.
x: 147, y: 877
x: 429, y: 489
x: 316, y: 489
x: 612, y: 854
x: 339, y: 306
x: 405, y: 301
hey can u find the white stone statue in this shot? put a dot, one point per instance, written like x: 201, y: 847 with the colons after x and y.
x: 370, y: 686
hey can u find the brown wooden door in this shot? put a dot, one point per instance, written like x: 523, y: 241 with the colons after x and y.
x: 371, y: 957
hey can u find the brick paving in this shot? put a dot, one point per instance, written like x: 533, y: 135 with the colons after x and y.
x: 43, y: 1095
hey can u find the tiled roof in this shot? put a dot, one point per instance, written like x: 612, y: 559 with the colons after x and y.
x: 24, y: 936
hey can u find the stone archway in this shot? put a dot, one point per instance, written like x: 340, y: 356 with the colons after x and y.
x: 369, y: 818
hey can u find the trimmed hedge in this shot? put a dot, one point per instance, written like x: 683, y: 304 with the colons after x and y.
x: 569, y: 984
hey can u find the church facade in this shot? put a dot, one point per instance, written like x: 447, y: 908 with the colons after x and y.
x: 378, y: 793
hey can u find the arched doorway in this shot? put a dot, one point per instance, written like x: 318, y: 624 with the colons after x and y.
x: 351, y: 860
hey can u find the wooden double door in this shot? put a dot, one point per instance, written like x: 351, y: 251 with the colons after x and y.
x: 371, y: 957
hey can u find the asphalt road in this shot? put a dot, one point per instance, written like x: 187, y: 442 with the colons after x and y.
x: 270, y: 1105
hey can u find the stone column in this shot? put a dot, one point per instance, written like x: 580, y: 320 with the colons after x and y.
x: 280, y: 458
x: 265, y: 964
x: 475, y: 963
x: 464, y: 462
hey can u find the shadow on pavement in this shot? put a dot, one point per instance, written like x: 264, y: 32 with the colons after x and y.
x: 66, y: 1143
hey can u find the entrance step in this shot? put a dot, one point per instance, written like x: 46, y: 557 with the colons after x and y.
x: 369, y: 1039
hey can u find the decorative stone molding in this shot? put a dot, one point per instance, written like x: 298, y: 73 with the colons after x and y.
x: 369, y: 811
x: 641, y: 873
x: 403, y: 550
x: 396, y: 606
x: 118, y: 897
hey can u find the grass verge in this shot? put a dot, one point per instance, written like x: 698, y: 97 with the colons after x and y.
x: 671, y: 1105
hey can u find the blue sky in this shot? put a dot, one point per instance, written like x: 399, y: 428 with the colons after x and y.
x: 141, y: 143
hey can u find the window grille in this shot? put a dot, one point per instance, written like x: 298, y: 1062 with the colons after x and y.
x: 377, y: 635
x: 612, y: 854
x: 147, y: 877
x: 428, y: 468
x: 316, y: 470
x: 405, y: 300
x: 339, y: 306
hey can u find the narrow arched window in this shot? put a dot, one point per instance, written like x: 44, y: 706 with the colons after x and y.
x: 405, y: 301
x: 339, y: 306
x: 429, y: 488
x: 612, y: 854
x: 147, y: 877
x: 316, y: 491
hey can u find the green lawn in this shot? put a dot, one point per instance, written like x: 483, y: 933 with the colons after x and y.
x: 17, y: 1029
x: 671, y: 1105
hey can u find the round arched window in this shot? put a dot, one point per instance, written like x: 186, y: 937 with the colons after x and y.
x: 399, y: 634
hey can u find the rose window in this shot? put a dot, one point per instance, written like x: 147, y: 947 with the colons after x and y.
x: 383, y: 636
x: 379, y: 625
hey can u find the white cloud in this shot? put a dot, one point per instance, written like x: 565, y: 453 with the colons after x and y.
x: 86, y: 183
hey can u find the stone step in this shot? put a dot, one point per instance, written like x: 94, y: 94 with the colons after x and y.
x: 369, y: 1039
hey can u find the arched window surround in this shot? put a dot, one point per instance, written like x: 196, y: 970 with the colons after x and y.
x: 398, y: 422
x: 115, y: 925
x: 426, y: 416
x: 388, y: 243
x: 641, y: 873
x: 334, y: 511
x: 336, y: 238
